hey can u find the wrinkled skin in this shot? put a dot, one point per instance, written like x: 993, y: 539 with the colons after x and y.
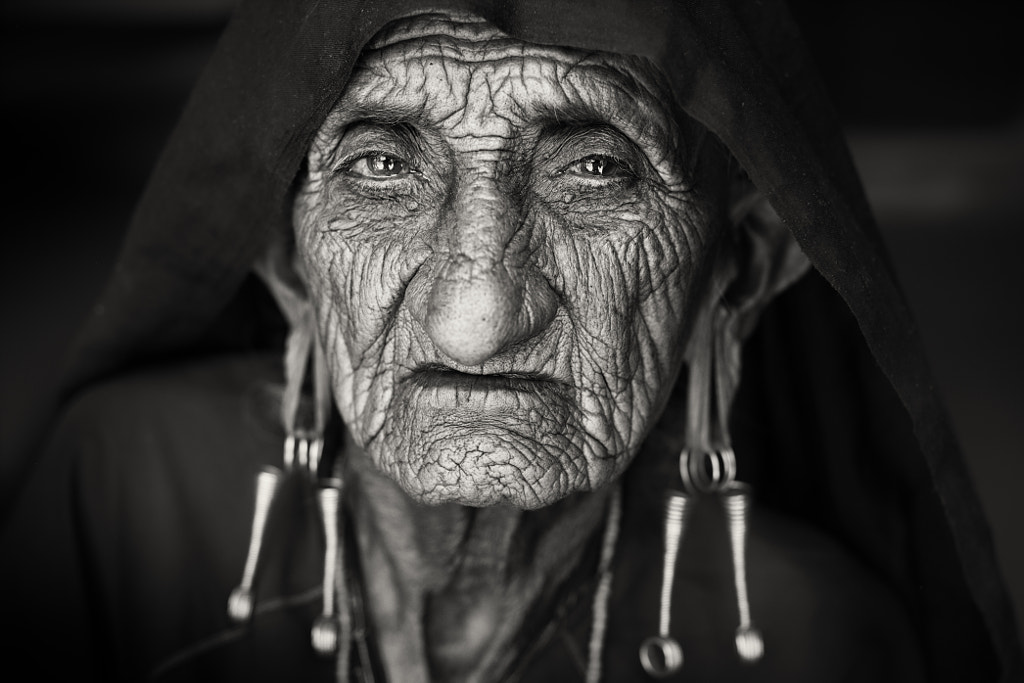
x: 505, y: 245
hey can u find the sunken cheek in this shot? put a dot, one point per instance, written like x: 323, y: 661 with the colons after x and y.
x: 363, y: 276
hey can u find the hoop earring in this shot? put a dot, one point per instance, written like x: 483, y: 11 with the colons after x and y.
x: 707, y: 467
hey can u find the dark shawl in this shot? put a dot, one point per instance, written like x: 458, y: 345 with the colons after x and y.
x: 849, y: 430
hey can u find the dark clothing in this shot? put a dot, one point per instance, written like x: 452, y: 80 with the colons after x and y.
x: 163, y: 515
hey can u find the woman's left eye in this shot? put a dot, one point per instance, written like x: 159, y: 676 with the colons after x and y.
x: 379, y: 165
x: 600, y: 166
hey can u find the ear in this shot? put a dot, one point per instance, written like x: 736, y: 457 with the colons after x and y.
x: 281, y: 273
x: 755, y: 261
x: 761, y: 260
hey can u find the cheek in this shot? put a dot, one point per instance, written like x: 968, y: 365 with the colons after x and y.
x: 627, y: 278
x: 357, y: 278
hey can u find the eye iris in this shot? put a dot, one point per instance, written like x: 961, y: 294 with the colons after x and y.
x: 595, y: 165
x: 382, y: 164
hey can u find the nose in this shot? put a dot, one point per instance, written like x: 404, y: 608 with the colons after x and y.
x: 487, y: 294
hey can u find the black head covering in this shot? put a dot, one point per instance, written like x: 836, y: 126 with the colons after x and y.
x: 905, y: 504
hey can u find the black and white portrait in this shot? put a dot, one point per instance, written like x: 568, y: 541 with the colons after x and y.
x: 512, y: 340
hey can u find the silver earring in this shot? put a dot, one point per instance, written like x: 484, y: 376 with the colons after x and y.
x: 240, y: 603
x: 704, y: 471
x: 736, y: 500
x: 714, y: 473
x: 303, y: 456
x: 662, y: 655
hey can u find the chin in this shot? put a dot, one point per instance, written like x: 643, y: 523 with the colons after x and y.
x: 484, y: 469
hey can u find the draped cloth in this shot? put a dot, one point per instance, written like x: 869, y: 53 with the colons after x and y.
x: 899, y: 495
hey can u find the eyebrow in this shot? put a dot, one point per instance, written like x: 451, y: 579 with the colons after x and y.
x: 575, y: 114
x: 581, y: 116
x: 381, y: 113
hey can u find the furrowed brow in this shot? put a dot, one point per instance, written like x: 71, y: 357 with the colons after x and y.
x: 381, y: 113
x: 573, y: 114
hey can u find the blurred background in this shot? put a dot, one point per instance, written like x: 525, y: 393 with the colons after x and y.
x: 932, y: 95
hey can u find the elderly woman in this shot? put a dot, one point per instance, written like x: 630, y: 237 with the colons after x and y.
x: 521, y: 252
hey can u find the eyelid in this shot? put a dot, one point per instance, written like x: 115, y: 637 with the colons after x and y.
x: 590, y: 134
x: 597, y: 140
x: 364, y: 138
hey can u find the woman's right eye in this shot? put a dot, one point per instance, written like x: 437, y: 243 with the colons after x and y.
x: 378, y: 165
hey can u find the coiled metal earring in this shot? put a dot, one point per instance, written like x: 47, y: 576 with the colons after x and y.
x: 303, y: 452
x: 662, y: 655
x: 705, y: 471
x: 736, y: 501
x: 714, y: 473
x: 240, y: 603
x: 332, y: 630
x: 328, y: 628
x: 296, y: 450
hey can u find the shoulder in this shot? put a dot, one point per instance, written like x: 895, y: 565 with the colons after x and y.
x: 194, y: 392
x: 148, y: 447
x: 146, y: 438
x: 823, y: 615
x: 162, y: 467
x: 162, y: 427
x: 133, y: 523
x: 830, y: 616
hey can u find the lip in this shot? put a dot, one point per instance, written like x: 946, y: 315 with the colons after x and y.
x: 441, y: 377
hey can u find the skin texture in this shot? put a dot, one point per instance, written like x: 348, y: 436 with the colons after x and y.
x: 502, y: 243
x: 505, y: 247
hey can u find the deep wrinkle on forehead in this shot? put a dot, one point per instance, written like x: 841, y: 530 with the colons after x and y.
x: 390, y: 86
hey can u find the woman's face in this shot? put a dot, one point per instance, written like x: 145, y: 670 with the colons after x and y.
x: 503, y: 243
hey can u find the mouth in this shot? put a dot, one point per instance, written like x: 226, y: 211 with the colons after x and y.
x: 441, y: 377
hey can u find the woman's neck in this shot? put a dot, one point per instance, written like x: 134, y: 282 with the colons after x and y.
x: 449, y: 587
